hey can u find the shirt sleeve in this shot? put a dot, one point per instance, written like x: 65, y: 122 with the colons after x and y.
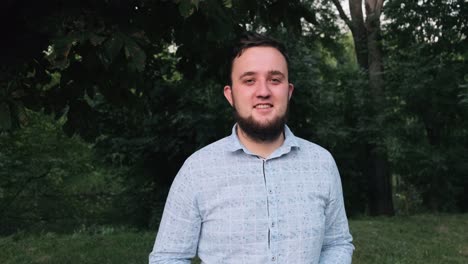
x: 337, y: 245
x: 179, y: 230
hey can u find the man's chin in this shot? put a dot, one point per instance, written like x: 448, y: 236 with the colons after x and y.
x: 262, y: 131
x: 262, y: 124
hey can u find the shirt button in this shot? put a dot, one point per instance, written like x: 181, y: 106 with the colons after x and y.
x: 273, y: 258
x: 273, y: 224
x: 270, y: 191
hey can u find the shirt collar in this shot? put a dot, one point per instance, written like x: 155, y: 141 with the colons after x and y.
x: 289, y: 143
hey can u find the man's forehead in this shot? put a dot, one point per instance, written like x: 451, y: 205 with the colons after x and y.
x: 266, y: 57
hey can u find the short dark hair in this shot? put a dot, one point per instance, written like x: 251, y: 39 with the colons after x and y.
x: 249, y: 40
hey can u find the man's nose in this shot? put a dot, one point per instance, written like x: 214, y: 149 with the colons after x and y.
x: 263, y: 89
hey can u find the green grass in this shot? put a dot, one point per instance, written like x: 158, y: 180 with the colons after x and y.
x: 111, y: 247
x: 412, y: 239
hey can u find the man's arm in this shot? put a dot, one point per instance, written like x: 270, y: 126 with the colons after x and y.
x: 179, y: 230
x: 337, y: 247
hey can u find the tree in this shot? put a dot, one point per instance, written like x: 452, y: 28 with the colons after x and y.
x: 367, y: 42
x: 426, y: 64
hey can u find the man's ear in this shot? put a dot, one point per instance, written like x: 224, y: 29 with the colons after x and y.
x: 291, y: 89
x: 228, y: 93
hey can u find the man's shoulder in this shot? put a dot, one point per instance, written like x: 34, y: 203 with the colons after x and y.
x: 214, y: 149
x: 307, y: 147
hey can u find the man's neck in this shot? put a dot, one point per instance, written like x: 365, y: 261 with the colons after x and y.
x: 262, y: 149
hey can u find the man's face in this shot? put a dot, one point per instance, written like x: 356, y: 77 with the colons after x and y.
x: 260, y: 91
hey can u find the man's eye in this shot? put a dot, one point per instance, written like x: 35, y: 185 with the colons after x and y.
x: 249, y: 81
x: 274, y: 80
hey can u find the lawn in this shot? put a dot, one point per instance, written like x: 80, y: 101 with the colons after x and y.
x: 413, y: 239
x: 410, y: 239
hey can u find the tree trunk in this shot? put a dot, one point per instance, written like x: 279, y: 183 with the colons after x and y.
x: 366, y: 35
x: 379, y: 177
x: 359, y: 32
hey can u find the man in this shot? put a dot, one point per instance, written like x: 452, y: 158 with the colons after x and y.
x: 260, y: 195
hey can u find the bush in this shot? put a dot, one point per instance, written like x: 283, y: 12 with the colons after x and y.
x: 52, y: 181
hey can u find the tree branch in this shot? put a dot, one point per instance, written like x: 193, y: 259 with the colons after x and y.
x: 308, y: 15
x: 343, y: 14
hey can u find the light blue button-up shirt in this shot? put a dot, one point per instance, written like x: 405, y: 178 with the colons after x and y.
x: 230, y: 206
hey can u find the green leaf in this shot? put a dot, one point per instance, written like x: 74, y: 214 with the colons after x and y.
x: 135, y: 55
x: 140, y: 37
x: 195, y: 3
x: 5, y: 117
x: 60, y: 51
x: 186, y: 8
x: 96, y: 40
x: 227, y: 3
x: 112, y: 47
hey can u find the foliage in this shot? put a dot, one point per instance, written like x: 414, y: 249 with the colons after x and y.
x: 426, y: 72
x: 49, y: 180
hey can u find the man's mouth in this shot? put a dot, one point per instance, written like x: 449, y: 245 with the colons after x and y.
x: 263, y: 106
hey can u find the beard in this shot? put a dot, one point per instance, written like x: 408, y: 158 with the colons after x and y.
x: 262, y: 132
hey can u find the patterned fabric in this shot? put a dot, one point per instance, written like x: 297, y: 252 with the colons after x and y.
x: 229, y: 206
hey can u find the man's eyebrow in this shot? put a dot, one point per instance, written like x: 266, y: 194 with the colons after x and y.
x: 275, y: 72
x: 249, y: 73
x: 271, y: 72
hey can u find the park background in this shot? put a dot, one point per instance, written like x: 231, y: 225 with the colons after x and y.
x: 102, y: 101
